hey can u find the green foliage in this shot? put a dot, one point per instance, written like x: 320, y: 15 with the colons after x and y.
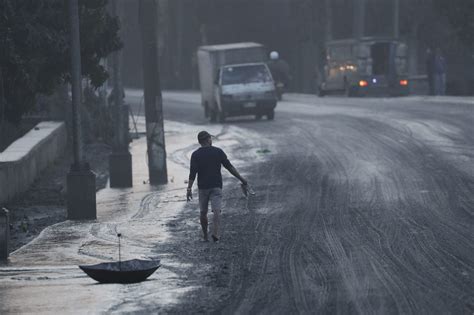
x: 34, y: 48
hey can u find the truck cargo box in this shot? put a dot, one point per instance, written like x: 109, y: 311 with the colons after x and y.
x: 211, y: 58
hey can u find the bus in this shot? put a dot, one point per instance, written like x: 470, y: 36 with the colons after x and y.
x: 365, y: 66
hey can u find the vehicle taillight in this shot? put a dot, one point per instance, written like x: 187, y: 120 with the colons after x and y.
x: 404, y: 82
x: 363, y: 83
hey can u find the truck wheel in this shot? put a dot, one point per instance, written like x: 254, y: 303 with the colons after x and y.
x: 271, y: 114
x: 258, y: 116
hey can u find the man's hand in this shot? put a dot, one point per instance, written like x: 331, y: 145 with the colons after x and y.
x: 189, y: 194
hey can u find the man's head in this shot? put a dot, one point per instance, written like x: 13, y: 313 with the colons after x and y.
x: 204, y: 138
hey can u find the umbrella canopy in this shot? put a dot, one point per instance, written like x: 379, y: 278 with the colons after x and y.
x: 129, y: 271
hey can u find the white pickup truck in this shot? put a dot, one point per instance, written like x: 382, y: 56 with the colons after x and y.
x: 235, y: 81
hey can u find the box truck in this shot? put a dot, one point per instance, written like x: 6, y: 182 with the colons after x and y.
x: 235, y: 81
x: 366, y: 66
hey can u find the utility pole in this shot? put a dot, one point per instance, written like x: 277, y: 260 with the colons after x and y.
x: 329, y: 29
x: 2, y: 101
x: 120, y: 160
x: 359, y: 18
x: 81, y: 199
x: 396, y: 18
x: 148, y: 13
x: 313, y: 60
x: 179, y: 7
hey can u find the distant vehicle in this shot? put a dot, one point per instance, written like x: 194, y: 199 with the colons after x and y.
x: 367, y: 66
x: 235, y: 81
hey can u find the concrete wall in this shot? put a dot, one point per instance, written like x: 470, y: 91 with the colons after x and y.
x: 24, y: 159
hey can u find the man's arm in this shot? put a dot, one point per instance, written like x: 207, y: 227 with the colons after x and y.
x: 226, y: 163
x: 234, y: 172
x: 190, y: 184
x: 192, y: 177
x: 189, y: 191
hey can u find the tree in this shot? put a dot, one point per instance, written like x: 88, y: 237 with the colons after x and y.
x: 34, y: 43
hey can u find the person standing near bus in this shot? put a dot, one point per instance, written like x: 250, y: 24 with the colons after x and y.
x: 430, y: 71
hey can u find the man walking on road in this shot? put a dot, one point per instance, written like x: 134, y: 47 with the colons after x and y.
x: 206, y: 163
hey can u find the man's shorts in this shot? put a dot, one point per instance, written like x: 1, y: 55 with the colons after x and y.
x: 214, y: 195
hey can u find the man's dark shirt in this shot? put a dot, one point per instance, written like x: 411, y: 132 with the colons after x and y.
x: 206, y: 163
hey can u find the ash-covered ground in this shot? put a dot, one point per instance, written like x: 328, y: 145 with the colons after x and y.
x: 361, y: 206
x: 44, y: 203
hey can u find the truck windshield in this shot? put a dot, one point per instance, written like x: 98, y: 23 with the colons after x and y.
x: 245, y: 74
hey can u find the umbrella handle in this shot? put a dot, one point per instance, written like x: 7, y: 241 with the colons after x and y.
x: 120, y: 258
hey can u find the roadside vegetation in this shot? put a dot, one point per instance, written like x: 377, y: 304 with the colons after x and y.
x: 34, y: 77
x: 34, y: 57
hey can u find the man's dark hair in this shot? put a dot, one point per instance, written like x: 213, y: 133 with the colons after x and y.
x: 203, y: 136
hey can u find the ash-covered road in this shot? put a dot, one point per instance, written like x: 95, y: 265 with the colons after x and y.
x: 362, y: 206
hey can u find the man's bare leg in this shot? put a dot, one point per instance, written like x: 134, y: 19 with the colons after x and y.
x: 216, y: 225
x: 204, y: 224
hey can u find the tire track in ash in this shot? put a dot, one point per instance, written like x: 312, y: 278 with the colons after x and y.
x: 422, y: 276
x: 283, y: 275
x: 379, y: 245
x: 255, y: 267
x: 294, y: 257
x: 346, y: 235
x: 257, y: 264
x: 382, y: 232
x: 446, y: 204
x: 304, y: 288
x: 349, y: 289
x: 309, y: 222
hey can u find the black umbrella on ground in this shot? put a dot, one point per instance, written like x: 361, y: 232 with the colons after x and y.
x: 129, y: 271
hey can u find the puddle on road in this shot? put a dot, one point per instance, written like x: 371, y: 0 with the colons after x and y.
x: 68, y: 290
